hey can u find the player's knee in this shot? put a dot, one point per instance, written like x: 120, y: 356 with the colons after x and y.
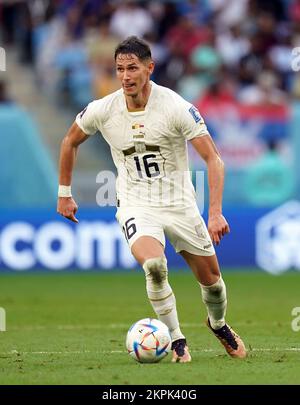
x: 156, y: 269
x: 215, y: 293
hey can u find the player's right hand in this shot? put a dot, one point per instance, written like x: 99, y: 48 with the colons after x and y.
x: 217, y: 227
x: 67, y: 207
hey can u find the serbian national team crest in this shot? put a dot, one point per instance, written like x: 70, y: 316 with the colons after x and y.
x: 195, y: 113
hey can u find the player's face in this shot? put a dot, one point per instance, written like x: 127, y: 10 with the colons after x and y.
x: 133, y: 73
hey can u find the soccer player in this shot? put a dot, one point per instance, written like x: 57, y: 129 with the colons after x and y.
x: 147, y: 127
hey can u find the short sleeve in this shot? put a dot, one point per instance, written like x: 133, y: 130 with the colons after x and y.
x: 188, y: 121
x: 87, y: 118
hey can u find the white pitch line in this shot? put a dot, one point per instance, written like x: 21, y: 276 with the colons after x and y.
x: 125, y: 326
x: 275, y: 349
x: 65, y: 352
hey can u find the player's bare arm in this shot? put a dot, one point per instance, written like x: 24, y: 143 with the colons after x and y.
x: 217, y: 224
x: 66, y: 206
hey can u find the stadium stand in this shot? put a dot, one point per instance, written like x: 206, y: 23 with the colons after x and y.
x: 230, y: 58
x: 28, y: 175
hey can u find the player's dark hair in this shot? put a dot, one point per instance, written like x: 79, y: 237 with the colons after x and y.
x: 135, y: 46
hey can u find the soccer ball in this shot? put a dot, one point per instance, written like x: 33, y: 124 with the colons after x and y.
x: 148, y: 340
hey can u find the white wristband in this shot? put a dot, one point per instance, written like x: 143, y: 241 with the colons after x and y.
x: 64, y: 191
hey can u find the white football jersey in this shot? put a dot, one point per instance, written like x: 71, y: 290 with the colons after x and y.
x: 149, y: 148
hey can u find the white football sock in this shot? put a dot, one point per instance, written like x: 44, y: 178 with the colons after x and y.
x: 214, y: 297
x: 161, y: 295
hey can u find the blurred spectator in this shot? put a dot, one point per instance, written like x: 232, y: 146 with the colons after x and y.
x: 270, y: 181
x: 17, y: 23
x: 252, y: 63
x: 25, y: 23
x: 189, y: 86
x: 205, y: 57
x: 160, y: 54
x: 100, y: 45
x: 185, y: 36
x: 130, y: 19
x: 4, y: 98
x: 294, y: 10
x: 218, y: 95
x: 295, y: 91
x: 266, y: 31
x: 232, y: 45
x: 167, y: 20
x: 228, y: 12
x: 48, y: 37
x: 275, y: 7
x: 8, y: 18
x: 206, y: 63
x: 264, y: 91
x: 197, y: 10
x: 280, y: 56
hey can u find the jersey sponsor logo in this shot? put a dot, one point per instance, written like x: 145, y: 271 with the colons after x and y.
x: 195, y: 114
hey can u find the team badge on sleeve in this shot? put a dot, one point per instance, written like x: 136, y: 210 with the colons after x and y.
x: 195, y: 114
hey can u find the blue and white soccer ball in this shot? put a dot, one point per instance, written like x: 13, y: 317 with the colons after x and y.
x: 148, y: 340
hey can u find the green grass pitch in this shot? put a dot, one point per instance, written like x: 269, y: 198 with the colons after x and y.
x: 71, y: 328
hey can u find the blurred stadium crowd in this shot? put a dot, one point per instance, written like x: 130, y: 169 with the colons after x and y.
x: 237, y: 49
x: 214, y: 53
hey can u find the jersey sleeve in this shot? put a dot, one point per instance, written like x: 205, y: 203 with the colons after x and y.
x: 87, y: 119
x: 188, y: 121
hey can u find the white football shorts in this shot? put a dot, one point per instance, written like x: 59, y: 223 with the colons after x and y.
x: 183, y: 226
